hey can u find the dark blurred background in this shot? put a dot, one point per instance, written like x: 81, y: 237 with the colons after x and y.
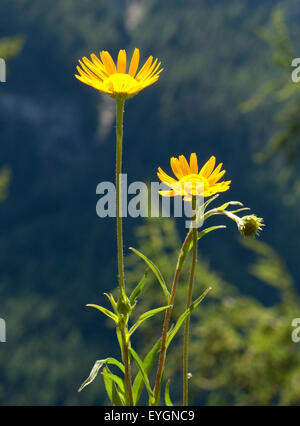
x: 226, y: 90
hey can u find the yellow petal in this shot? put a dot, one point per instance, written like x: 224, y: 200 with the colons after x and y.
x: 121, y: 66
x: 166, y: 193
x: 176, y: 167
x: 208, y: 167
x: 134, y: 62
x: 194, y: 163
x: 145, y: 68
x: 108, y: 62
x: 184, y: 165
x: 213, y: 179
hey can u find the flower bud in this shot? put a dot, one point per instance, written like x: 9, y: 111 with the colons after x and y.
x: 250, y: 225
x: 123, y: 306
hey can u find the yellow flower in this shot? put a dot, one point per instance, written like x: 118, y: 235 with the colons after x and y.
x: 190, y: 181
x: 102, y: 73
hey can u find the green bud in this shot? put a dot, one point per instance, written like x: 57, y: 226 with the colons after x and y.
x: 250, y: 225
x: 123, y: 306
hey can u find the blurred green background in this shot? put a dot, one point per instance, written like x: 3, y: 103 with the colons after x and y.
x: 226, y: 90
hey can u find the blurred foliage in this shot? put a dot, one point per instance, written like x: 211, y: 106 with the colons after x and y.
x: 241, y: 351
x: 281, y: 90
x: 10, y: 46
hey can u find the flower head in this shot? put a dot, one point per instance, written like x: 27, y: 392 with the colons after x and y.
x: 114, y: 80
x: 190, y: 181
x: 250, y: 225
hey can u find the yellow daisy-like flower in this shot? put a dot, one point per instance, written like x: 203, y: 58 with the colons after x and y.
x: 102, y: 73
x: 190, y: 181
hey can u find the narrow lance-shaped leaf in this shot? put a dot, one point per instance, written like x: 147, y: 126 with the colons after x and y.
x: 118, y: 381
x: 155, y: 270
x: 145, y: 316
x: 111, y: 389
x: 148, y: 363
x: 167, y: 395
x: 206, y: 204
x: 112, y: 301
x: 143, y: 372
x: 229, y: 203
x: 105, y: 312
x: 138, y: 288
x: 200, y: 235
x: 172, y: 333
x: 97, y: 366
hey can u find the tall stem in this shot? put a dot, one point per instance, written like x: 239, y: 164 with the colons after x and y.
x: 187, y: 321
x: 163, y: 349
x: 123, y: 329
x: 119, y: 134
x: 126, y: 361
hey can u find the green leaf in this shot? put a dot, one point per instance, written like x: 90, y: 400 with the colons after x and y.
x: 148, y: 363
x: 138, y: 288
x: 112, y: 301
x: 207, y: 230
x: 155, y: 270
x: 201, y: 234
x: 172, y: 333
x: 111, y: 389
x: 97, y: 366
x: 206, y: 204
x: 143, y: 372
x: 119, y: 382
x: 240, y: 210
x: 229, y: 203
x: 105, y: 312
x: 167, y: 395
x: 145, y: 316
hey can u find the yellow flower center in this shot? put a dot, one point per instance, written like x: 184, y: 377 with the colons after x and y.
x: 120, y: 83
x: 193, y: 184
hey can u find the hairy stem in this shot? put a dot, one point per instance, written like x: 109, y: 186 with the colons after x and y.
x: 123, y: 329
x: 126, y: 361
x: 119, y: 134
x: 187, y: 321
x: 163, y: 350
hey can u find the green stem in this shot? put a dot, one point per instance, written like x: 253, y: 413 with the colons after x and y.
x: 126, y: 361
x: 187, y: 321
x: 163, y: 350
x: 119, y: 134
x: 125, y: 343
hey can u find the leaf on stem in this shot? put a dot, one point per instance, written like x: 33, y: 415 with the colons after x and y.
x: 155, y: 270
x: 145, y: 316
x: 111, y: 389
x: 97, y: 366
x: 172, y: 333
x: 143, y: 373
x: 105, y: 312
x: 112, y: 301
x: 206, y: 204
x: 148, y: 363
x: 167, y: 395
x: 138, y: 288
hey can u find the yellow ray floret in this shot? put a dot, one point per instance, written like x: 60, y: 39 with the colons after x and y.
x: 192, y: 181
x: 102, y: 73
